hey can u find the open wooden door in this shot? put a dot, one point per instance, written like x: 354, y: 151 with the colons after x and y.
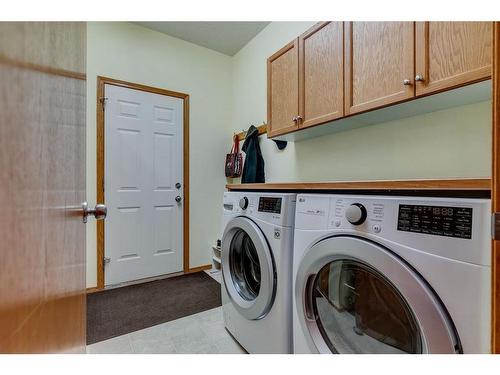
x: 42, y: 175
x: 495, y: 191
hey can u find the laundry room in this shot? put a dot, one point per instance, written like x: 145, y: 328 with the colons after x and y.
x: 236, y: 188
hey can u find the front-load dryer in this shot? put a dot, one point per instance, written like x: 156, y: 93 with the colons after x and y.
x: 383, y: 274
x: 256, y: 254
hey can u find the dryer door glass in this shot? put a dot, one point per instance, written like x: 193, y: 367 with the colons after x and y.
x: 245, y: 266
x: 359, y: 311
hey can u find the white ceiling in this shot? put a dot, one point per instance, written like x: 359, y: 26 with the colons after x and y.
x: 225, y: 37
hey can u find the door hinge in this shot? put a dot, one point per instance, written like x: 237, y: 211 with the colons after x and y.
x: 495, y: 225
x: 103, y: 102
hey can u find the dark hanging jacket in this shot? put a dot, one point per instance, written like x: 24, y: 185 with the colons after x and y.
x: 253, y: 169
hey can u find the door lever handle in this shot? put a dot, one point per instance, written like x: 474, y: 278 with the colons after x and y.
x: 99, y: 211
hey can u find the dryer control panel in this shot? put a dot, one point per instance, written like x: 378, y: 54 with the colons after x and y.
x: 436, y: 220
x: 450, y: 227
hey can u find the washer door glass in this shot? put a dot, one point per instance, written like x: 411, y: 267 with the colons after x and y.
x: 359, y: 311
x: 245, y: 266
x: 248, y: 268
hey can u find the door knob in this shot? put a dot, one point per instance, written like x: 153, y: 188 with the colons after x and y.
x: 99, y: 211
x: 178, y: 199
x: 406, y: 82
x: 419, y: 78
x: 178, y: 185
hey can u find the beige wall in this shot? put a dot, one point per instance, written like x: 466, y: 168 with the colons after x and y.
x: 133, y: 53
x: 249, y: 85
x: 449, y: 143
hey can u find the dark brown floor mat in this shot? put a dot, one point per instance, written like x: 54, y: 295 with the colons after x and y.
x: 119, y: 311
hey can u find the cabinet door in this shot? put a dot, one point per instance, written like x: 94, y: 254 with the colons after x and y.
x: 379, y: 64
x: 450, y: 54
x: 283, y: 90
x: 321, y: 74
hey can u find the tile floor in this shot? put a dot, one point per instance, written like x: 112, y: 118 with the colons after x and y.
x: 215, y: 274
x: 201, y: 333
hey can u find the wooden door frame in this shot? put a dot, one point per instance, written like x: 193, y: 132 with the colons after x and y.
x: 495, y: 192
x: 101, y: 82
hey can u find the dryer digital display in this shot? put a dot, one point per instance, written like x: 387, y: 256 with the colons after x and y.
x: 270, y: 204
x: 436, y: 220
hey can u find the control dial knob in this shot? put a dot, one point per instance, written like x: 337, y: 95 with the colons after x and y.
x: 356, y: 214
x: 244, y: 203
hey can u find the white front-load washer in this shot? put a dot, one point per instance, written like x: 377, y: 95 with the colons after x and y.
x: 384, y: 274
x: 256, y: 254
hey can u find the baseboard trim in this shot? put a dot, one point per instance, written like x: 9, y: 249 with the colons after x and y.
x: 200, y: 268
x: 141, y: 281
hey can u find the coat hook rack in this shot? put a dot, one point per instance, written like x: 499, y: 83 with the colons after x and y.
x: 262, y: 130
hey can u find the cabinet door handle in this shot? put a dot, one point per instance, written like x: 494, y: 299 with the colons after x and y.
x: 406, y: 82
x: 294, y: 118
x: 419, y: 78
x: 299, y: 118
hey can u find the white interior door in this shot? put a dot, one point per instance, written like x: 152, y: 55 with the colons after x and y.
x: 143, y: 181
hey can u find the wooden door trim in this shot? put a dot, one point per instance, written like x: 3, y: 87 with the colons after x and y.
x: 495, y: 191
x: 305, y: 123
x: 101, y: 82
x: 270, y: 132
x: 422, y: 56
x: 403, y: 95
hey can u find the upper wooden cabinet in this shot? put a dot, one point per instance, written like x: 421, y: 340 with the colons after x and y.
x: 338, y: 69
x: 450, y: 54
x: 379, y: 66
x: 321, y: 74
x: 283, y: 90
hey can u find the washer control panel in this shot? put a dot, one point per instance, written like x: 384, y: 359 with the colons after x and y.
x: 270, y: 204
x: 243, y: 203
x: 275, y: 208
